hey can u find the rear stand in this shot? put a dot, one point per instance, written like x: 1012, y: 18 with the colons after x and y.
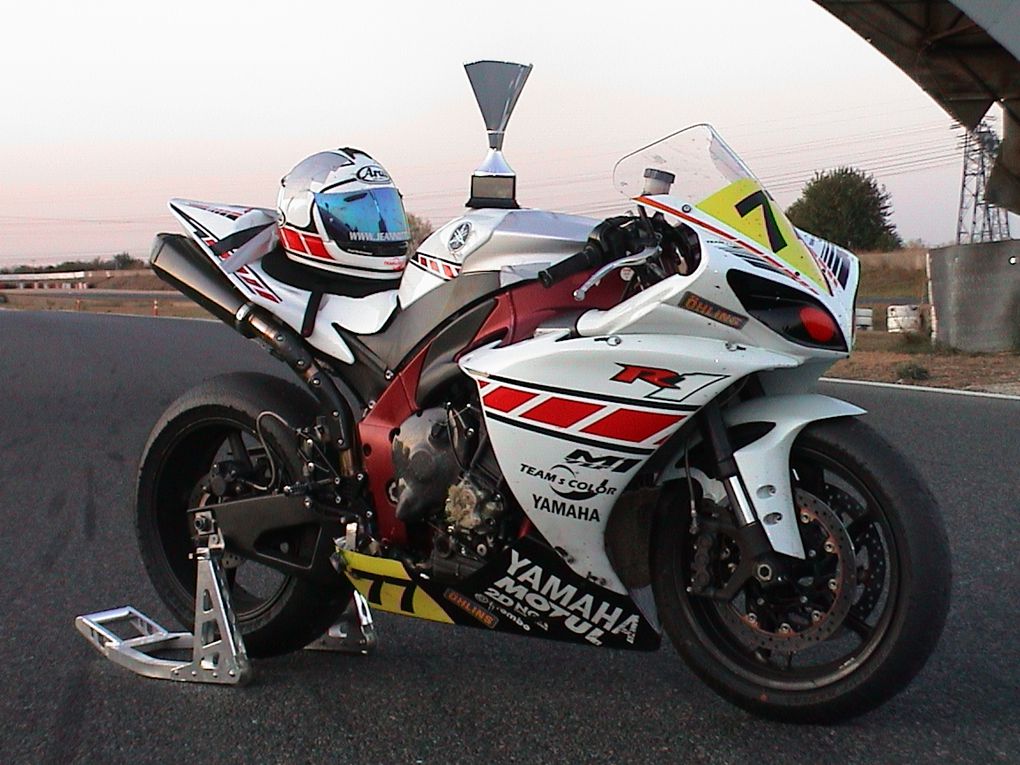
x: 217, y: 651
x: 129, y: 638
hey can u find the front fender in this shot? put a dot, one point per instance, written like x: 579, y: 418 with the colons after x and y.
x: 765, y: 463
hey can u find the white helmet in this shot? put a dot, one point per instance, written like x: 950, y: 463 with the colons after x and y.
x: 340, y: 212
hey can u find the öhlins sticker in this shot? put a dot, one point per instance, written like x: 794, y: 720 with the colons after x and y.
x: 470, y: 606
x: 710, y: 310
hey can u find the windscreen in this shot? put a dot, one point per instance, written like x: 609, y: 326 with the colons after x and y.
x: 698, y: 168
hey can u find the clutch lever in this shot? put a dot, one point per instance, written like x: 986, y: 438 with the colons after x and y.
x: 630, y: 260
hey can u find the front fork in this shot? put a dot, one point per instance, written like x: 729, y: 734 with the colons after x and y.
x: 756, y: 476
x: 757, y: 558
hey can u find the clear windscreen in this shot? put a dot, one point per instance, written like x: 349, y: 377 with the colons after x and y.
x: 697, y: 168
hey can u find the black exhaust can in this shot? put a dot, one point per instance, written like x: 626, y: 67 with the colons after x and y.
x: 180, y: 262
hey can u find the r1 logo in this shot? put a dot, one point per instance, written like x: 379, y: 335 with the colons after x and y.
x: 668, y: 384
x: 660, y: 378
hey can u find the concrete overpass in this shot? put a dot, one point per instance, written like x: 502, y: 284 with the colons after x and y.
x: 965, y: 54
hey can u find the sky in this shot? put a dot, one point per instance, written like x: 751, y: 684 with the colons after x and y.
x: 109, y: 109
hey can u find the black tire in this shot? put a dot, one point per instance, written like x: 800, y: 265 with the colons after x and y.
x: 180, y: 451
x: 894, y: 644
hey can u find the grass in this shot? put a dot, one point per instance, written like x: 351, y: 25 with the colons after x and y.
x: 168, y: 306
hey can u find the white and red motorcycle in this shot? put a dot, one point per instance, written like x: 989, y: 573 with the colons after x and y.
x: 562, y: 428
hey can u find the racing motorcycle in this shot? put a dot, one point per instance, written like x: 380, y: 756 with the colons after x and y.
x: 559, y: 427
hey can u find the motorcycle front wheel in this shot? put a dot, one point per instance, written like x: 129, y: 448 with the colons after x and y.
x: 222, y: 427
x: 833, y: 635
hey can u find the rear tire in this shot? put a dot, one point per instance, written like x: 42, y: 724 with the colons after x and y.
x: 275, y: 613
x: 897, y: 520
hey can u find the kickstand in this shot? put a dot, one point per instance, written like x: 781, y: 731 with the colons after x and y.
x: 217, y: 650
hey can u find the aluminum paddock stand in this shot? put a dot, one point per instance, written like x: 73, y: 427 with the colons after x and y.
x: 131, y: 639
x: 217, y: 651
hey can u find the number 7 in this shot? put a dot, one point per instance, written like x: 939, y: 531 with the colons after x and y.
x: 760, y: 199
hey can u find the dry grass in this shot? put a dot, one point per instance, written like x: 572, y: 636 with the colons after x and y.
x: 113, y: 304
x: 894, y: 274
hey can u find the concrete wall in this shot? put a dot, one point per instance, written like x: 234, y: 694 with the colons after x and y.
x: 976, y: 296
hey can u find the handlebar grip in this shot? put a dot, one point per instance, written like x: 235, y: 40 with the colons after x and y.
x: 575, y: 264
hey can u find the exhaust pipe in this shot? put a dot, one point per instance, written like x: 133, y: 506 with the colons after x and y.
x: 180, y: 262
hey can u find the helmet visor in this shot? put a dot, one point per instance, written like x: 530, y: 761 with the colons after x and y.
x: 372, y: 216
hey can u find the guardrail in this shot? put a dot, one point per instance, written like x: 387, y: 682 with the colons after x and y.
x: 48, y: 276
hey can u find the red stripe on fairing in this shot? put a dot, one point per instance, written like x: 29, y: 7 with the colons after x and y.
x: 448, y: 271
x: 315, y: 247
x: 561, y: 412
x: 507, y: 399
x: 631, y: 425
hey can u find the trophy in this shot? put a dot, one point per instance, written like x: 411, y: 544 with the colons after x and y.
x: 497, y: 85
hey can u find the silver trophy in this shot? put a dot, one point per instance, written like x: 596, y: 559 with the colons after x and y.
x: 497, y: 86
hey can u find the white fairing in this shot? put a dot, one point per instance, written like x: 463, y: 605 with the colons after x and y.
x: 572, y: 420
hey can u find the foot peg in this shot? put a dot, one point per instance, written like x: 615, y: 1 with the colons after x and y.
x: 353, y: 632
x: 133, y: 640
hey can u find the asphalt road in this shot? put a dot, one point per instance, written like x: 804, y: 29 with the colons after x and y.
x: 79, y: 394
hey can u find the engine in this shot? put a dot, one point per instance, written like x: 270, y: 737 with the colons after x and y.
x: 447, y: 477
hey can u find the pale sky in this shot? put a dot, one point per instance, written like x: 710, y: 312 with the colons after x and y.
x: 111, y: 108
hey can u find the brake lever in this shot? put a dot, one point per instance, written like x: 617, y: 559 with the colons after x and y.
x: 631, y: 260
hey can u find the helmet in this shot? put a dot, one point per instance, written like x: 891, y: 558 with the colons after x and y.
x: 340, y: 212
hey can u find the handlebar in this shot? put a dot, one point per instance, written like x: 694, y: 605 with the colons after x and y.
x: 584, y: 260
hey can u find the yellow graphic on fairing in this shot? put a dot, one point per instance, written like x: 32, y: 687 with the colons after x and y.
x: 747, y: 208
x: 387, y: 586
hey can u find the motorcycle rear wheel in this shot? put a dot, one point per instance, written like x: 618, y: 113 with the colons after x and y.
x: 213, y: 422
x: 849, y: 476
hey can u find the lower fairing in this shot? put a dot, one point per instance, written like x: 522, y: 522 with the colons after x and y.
x: 526, y: 590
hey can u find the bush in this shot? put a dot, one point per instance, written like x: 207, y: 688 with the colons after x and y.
x: 910, y: 370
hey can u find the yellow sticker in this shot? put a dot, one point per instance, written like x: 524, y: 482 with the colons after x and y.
x: 747, y: 208
x: 387, y: 586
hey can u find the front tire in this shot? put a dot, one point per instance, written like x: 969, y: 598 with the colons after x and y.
x: 213, y: 422
x: 870, y: 503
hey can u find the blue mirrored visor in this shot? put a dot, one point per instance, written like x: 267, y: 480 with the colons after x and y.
x: 371, y: 216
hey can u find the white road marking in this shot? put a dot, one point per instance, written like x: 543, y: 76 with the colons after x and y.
x: 920, y: 388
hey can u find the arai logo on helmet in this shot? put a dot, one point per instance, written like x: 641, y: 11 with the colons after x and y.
x: 373, y: 174
x: 459, y: 236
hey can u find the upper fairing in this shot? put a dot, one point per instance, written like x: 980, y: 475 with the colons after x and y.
x: 727, y: 247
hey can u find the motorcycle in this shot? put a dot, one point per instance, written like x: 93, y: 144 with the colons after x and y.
x: 557, y: 427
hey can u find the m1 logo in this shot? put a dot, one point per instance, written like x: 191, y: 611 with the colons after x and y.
x: 582, y: 458
x: 668, y: 384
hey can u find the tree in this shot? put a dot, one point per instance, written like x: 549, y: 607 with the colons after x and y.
x: 847, y: 207
x: 122, y: 260
x: 420, y: 229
